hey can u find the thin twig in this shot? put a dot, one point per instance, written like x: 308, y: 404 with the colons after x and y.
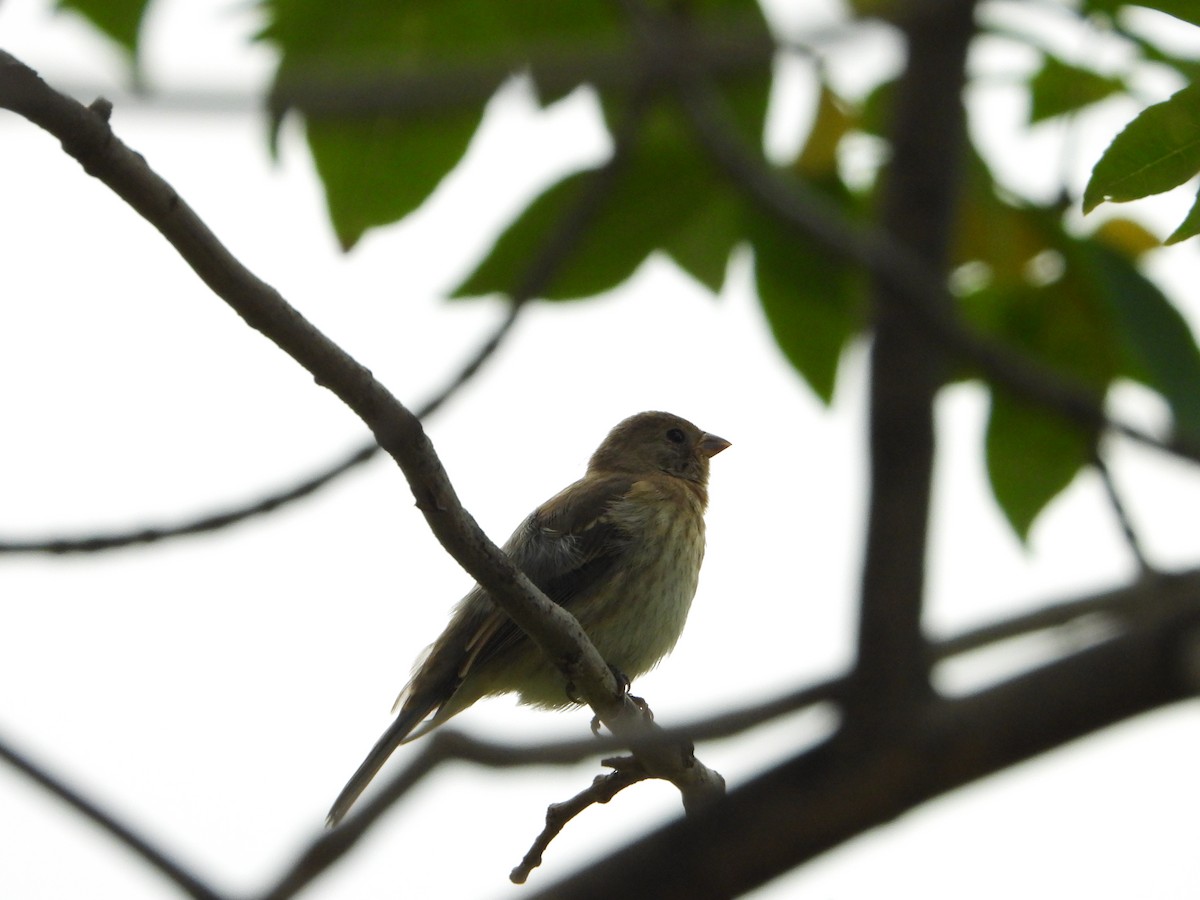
x: 1122, y: 514
x: 559, y: 244
x: 448, y: 745
x: 152, y: 534
x: 156, y: 857
x: 626, y: 773
x: 85, y: 135
x: 913, y: 284
x: 274, y: 500
x: 557, y: 248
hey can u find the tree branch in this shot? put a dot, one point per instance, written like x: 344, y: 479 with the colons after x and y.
x: 557, y: 248
x: 626, y: 773
x: 86, y: 135
x: 1127, y: 605
x: 911, y: 282
x: 1120, y: 512
x: 841, y: 789
x: 152, y: 534
x: 157, y: 858
x: 919, y: 201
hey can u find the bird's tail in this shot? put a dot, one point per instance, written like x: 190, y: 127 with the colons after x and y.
x: 398, y: 733
x: 431, y: 694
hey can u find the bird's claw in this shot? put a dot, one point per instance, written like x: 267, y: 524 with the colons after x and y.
x: 623, y: 683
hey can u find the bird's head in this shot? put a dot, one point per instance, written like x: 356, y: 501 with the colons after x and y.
x: 658, y: 442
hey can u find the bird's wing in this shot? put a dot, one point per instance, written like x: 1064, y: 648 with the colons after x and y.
x: 567, y: 546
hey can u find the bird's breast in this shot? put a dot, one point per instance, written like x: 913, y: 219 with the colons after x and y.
x: 639, y: 619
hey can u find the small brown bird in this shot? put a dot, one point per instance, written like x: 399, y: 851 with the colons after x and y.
x: 620, y: 548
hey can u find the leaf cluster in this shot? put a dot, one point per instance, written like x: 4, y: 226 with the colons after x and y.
x: 391, y: 94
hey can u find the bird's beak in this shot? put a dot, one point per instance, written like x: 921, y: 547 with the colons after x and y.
x: 711, y: 445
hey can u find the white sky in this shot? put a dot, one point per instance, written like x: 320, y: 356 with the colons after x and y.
x: 218, y: 691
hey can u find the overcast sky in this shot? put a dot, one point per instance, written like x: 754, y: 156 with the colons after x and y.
x: 218, y: 691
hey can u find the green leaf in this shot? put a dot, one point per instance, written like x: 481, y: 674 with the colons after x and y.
x: 1127, y: 237
x: 381, y: 137
x: 1157, y: 151
x: 1189, y: 227
x: 121, y: 20
x: 377, y: 171
x: 832, y: 122
x: 665, y: 197
x: 1156, y: 341
x: 701, y: 244
x: 589, y: 269
x: 1002, y: 234
x: 1032, y: 455
x: 1060, y: 88
x: 813, y: 304
x: 392, y: 91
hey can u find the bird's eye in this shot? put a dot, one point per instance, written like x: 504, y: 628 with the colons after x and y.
x: 675, y: 436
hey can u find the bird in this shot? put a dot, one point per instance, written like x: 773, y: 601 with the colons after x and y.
x: 620, y: 549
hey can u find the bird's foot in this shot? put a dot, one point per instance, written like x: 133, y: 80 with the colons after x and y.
x: 623, y: 683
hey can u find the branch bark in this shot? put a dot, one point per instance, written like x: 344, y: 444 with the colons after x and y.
x: 842, y: 788
x: 85, y: 135
x: 920, y: 193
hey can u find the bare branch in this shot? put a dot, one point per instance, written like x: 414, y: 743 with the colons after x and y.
x: 626, y: 772
x: 156, y: 857
x: 919, y: 201
x: 912, y: 283
x: 275, y: 500
x: 440, y: 747
x: 560, y: 243
x: 844, y: 787
x: 1121, y: 513
x: 152, y: 534
x: 1126, y: 604
x: 85, y: 134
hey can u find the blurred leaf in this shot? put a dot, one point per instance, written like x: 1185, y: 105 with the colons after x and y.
x: 1127, y: 237
x: 1060, y: 88
x: 874, y: 113
x: 701, y: 245
x: 1189, y: 227
x: 1158, y: 150
x: 1032, y: 456
x: 593, y: 267
x: 1002, y: 234
x: 121, y: 20
x: 383, y: 138
x: 813, y: 304
x: 376, y: 172
x: 666, y: 196
x: 1154, y: 337
x: 832, y: 122
x: 1096, y: 318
